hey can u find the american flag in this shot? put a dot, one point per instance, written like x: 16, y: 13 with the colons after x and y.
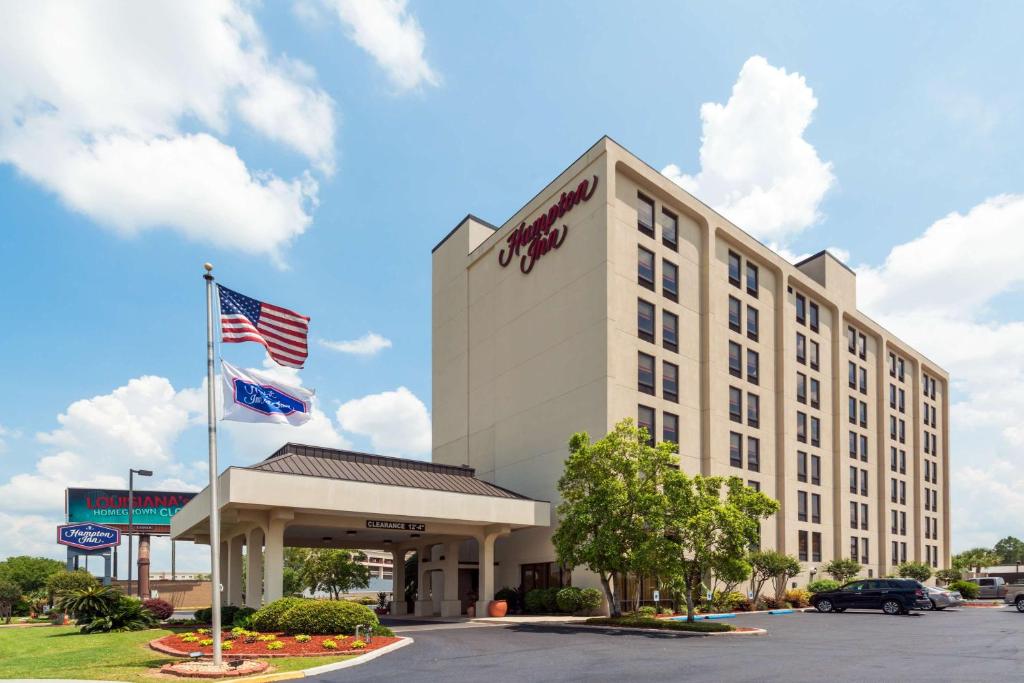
x: 284, y: 333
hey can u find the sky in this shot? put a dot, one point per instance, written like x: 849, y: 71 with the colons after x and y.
x: 316, y: 150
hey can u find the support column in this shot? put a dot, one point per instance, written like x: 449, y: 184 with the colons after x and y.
x: 144, y: 566
x: 224, y: 572
x: 234, y: 576
x: 254, y: 568
x: 424, y: 605
x: 451, y: 606
x: 398, y: 606
x: 273, y: 561
x: 485, y: 543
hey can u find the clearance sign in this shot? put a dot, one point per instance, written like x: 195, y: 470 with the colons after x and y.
x: 151, y: 514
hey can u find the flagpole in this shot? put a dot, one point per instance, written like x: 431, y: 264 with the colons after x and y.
x: 211, y: 403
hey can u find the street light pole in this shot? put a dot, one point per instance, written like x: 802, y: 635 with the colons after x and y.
x: 131, y: 516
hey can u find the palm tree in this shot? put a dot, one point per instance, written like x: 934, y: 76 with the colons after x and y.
x: 86, y: 604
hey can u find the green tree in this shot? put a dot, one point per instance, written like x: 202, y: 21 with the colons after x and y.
x: 86, y: 604
x: 63, y: 582
x: 1010, y: 550
x: 975, y: 559
x: 948, y: 576
x: 842, y: 570
x: 915, y: 570
x: 295, y: 560
x: 30, y: 573
x: 730, y: 572
x: 10, y: 594
x: 771, y: 565
x: 613, y: 505
x: 335, y: 572
x: 707, y: 527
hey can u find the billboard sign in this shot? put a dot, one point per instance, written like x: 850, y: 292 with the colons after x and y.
x: 109, y: 507
x: 88, y: 536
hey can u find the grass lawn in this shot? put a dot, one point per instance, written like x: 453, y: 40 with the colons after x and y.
x: 62, y: 652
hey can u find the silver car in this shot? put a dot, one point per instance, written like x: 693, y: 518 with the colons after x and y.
x: 942, y: 598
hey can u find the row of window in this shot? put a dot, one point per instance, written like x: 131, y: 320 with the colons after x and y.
x: 646, y: 377
x: 669, y: 274
x: 807, y: 353
x: 802, y: 393
x: 858, y: 444
x: 645, y: 222
x: 736, y: 318
x: 931, y: 500
x: 736, y: 363
x: 857, y: 343
x: 931, y: 472
x: 931, y: 528
x: 897, y: 429
x: 928, y: 386
x: 899, y: 552
x: 858, y: 412
x: 801, y: 468
x: 862, y: 557
x: 646, y: 418
x: 858, y: 483
x: 896, y: 366
x: 897, y: 398
x: 862, y: 522
x: 932, y: 555
x: 898, y: 491
x: 815, y: 554
x: 806, y: 315
x: 801, y: 429
x: 736, y: 407
x: 898, y: 460
x: 645, y: 327
x: 801, y: 507
x: 929, y: 411
x: 899, y: 522
x: 858, y: 377
x: 751, y: 273
x: 736, y: 451
x: 931, y: 443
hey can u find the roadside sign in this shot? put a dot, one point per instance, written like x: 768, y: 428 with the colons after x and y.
x: 88, y: 536
x: 657, y: 596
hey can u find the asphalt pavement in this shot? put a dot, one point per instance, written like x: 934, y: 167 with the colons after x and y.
x: 952, y: 645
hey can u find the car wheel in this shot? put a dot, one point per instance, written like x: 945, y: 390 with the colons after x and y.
x: 931, y: 605
x: 1020, y: 604
x: 892, y: 607
x: 823, y: 605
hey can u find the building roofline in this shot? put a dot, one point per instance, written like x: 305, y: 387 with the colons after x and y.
x: 291, y: 448
x: 451, y: 232
x: 825, y: 252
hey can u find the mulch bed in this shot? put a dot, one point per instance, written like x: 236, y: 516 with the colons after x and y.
x: 173, y: 645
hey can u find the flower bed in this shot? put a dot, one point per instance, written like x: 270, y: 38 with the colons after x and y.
x: 269, y: 645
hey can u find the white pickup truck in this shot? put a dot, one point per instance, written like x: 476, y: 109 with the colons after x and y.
x: 1015, y: 596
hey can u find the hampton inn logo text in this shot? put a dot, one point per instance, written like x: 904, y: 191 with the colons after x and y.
x: 543, y: 234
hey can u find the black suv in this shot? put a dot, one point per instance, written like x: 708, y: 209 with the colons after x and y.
x: 892, y: 596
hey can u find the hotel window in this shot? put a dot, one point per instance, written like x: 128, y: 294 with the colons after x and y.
x: 895, y: 523
x: 892, y: 491
x: 862, y: 346
x: 756, y: 485
x: 801, y: 427
x: 863, y: 380
x: 851, y: 344
x: 669, y: 330
x: 669, y: 229
x: 670, y: 280
x: 752, y: 323
x: 753, y: 410
x: 853, y: 515
x: 801, y: 387
x: 900, y: 368
x: 735, y: 449
x: 863, y: 414
x: 892, y: 427
x: 851, y: 374
x: 645, y: 267
x: 751, y: 279
x: 863, y: 448
x: 903, y: 431
x: 864, y: 516
x: 735, y: 314
x: 801, y: 506
x: 753, y: 454
x: 932, y: 392
x: 815, y: 393
x: 645, y: 419
x: 853, y: 480
x: 814, y: 355
x: 801, y: 466
x: 815, y: 546
x: 734, y: 269
x: 892, y: 364
x: 892, y: 396
x: 863, y: 482
x: 864, y: 551
x: 903, y: 461
x: 735, y: 362
x: 801, y: 348
x: 902, y: 406
x: 801, y: 309
x: 852, y: 410
x: 812, y: 316
x: 645, y: 320
x: 815, y: 508
x: 670, y: 430
x: 853, y: 445
x: 815, y: 469
x: 815, y: 431
x: 645, y: 215
x: 903, y: 523
x: 645, y: 374
x: 753, y: 363
x: 903, y: 492
x: 802, y: 545
x: 892, y: 459
x: 854, y: 548
x: 670, y: 381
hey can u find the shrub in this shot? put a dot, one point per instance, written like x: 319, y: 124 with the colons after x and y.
x: 364, y: 600
x: 266, y: 638
x: 63, y: 582
x: 513, y: 597
x: 966, y: 588
x: 744, y: 605
x: 590, y: 600
x: 765, y: 603
x: 160, y: 609
x: 227, y: 615
x: 663, y: 609
x: 357, y: 645
x: 822, y: 586
x: 269, y: 617
x: 303, y: 638
x: 551, y: 599
x: 533, y: 602
x: 227, y: 645
x: 86, y: 604
x: 723, y: 602
x: 329, y: 645
x: 645, y: 611
x: 798, y: 597
x: 243, y: 617
x: 127, y: 614
x: 915, y: 570
x: 276, y: 645
x: 663, y: 624
x: 326, y: 616
x: 206, y: 642
x: 381, y: 630
x: 569, y: 599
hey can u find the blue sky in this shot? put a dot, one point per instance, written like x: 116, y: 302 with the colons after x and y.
x: 316, y: 151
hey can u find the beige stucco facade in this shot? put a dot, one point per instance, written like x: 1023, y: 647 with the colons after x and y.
x: 521, y: 360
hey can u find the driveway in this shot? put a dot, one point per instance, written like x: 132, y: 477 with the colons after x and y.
x: 962, y: 645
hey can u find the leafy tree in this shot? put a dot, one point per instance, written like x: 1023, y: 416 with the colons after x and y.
x: 842, y: 570
x: 613, y: 505
x: 295, y: 560
x: 731, y: 571
x: 975, y: 559
x: 1010, y: 550
x: 60, y: 583
x: 948, y: 576
x: 915, y: 570
x: 706, y: 526
x: 335, y: 572
x: 10, y: 594
x: 771, y: 565
x: 30, y: 573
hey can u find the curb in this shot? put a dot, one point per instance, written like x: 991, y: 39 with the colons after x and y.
x: 327, y: 668
x: 667, y: 631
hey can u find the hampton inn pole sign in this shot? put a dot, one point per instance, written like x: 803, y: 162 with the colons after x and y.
x: 543, y: 234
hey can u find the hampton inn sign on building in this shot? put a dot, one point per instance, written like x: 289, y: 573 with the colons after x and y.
x: 657, y: 308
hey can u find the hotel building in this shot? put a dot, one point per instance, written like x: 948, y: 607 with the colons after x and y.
x: 615, y: 293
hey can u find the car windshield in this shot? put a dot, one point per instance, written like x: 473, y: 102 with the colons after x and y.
x: 855, y: 586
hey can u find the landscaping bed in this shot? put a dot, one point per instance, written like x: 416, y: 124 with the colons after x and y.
x: 661, y: 624
x: 264, y: 645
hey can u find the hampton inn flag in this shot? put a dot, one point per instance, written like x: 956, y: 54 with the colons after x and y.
x: 251, y: 396
x: 284, y: 333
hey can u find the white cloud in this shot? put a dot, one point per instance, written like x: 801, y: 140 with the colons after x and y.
x: 29, y: 535
x: 370, y: 344
x: 756, y: 167
x: 396, y: 422
x: 391, y: 35
x: 119, y: 110
x: 6, y: 433
x: 840, y: 253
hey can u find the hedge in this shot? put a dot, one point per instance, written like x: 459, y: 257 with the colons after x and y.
x: 327, y: 617
x: 268, y: 618
x: 661, y: 624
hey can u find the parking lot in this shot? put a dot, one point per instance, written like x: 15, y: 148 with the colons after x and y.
x: 953, y: 645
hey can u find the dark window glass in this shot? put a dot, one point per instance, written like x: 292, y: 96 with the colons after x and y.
x: 801, y: 427
x: 816, y: 546
x: 853, y: 480
x: 801, y: 387
x: 645, y: 267
x: 735, y: 362
x: 862, y: 375
x: 851, y: 374
x: 816, y: 508
x: 892, y: 395
x: 853, y: 445
x: 801, y: 348
x: 753, y: 454
x: 813, y: 316
x: 801, y: 506
x: 853, y: 515
x: 815, y: 469
x: 863, y: 414
x: 814, y: 355
x: 801, y: 466
x: 671, y: 428
x: 863, y: 482
x: 645, y: 374
x: 645, y: 215
x: 802, y: 545
x: 670, y: 280
x: 815, y: 393
x: 645, y: 320
x: 852, y: 410
x: 862, y: 346
x: 851, y: 336
x: 756, y: 485
x: 864, y: 448
x: 801, y: 309
x: 735, y: 404
x: 735, y: 449
x: 892, y: 364
x: 864, y: 516
x: 752, y: 323
x: 753, y: 366
x: 900, y: 367
x: 854, y: 549
x: 669, y: 330
x: 815, y: 431
x: 735, y: 314
x: 669, y: 229
x: 864, y: 551
x: 670, y: 381
x: 734, y: 269
x: 753, y: 410
x: 751, y: 279
x: 892, y: 491
x: 645, y: 419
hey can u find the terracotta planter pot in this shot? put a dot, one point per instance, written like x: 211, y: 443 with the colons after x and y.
x: 497, y: 608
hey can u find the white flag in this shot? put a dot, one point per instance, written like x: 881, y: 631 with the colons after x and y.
x: 251, y: 396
